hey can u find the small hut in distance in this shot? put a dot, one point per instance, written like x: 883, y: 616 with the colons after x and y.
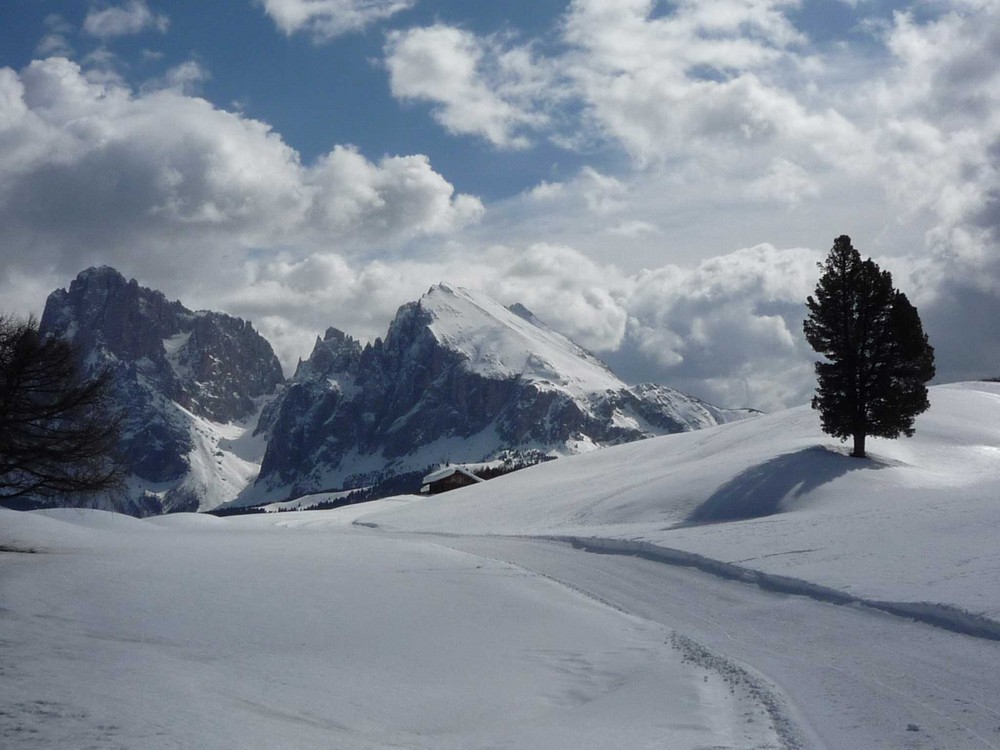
x: 448, y: 478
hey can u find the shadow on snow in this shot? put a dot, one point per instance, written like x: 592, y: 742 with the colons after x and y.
x: 759, y: 490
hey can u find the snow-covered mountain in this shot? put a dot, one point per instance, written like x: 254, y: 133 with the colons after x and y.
x: 458, y: 378
x: 190, y: 385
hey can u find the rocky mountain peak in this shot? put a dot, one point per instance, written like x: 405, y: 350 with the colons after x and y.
x: 500, y: 342
x: 211, y: 363
x: 458, y: 377
x: 335, y: 355
x: 171, y: 367
x: 102, y: 310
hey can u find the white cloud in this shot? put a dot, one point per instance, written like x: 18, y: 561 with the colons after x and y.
x: 785, y: 182
x: 94, y: 172
x: 732, y: 131
x: 703, y: 81
x: 186, y: 78
x: 634, y: 229
x: 729, y: 328
x: 56, y: 40
x: 479, y: 86
x: 545, y: 191
x: 401, y: 196
x: 325, y: 19
x: 134, y: 17
x: 567, y: 290
x: 603, y: 193
x: 939, y: 145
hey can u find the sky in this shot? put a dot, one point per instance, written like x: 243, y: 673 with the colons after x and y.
x: 657, y: 180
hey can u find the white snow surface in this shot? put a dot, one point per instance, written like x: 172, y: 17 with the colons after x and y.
x: 501, y: 344
x: 270, y: 632
x: 224, y: 459
x: 918, y: 521
x: 457, y: 621
x: 172, y: 346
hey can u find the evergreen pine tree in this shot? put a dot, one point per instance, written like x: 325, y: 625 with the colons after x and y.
x: 877, y: 356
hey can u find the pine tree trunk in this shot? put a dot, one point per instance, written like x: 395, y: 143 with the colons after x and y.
x: 859, y: 445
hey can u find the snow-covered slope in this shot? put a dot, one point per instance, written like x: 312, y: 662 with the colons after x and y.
x: 222, y: 459
x: 499, y: 342
x: 917, y: 521
x: 313, y: 629
x: 458, y: 378
x: 191, y: 631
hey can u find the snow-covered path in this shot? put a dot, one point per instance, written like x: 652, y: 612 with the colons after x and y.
x: 855, y: 677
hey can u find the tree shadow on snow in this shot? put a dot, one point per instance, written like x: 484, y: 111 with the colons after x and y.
x: 759, y: 490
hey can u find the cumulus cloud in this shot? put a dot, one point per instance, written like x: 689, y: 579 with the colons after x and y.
x: 479, y: 86
x: 785, y: 182
x: 634, y: 229
x: 702, y: 81
x: 325, y: 19
x: 726, y: 129
x: 96, y: 172
x: 134, y: 17
x: 401, y: 196
x: 939, y: 146
x: 569, y: 291
x: 728, y: 329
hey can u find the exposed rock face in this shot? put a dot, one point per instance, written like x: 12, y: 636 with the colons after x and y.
x: 175, y: 373
x: 460, y: 378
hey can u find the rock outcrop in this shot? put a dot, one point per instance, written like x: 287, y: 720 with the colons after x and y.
x: 178, y: 376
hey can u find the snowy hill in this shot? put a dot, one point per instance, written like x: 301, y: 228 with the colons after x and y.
x: 461, y: 378
x: 916, y: 522
x: 342, y: 628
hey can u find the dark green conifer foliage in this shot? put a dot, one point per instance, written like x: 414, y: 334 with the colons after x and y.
x: 878, y: 361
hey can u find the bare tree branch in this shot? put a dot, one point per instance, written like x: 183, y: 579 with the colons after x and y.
x: 58, y: 433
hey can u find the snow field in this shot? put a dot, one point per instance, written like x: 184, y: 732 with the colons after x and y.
x: 452, y: 622
x: 917, y: 522
x: 192, y: 631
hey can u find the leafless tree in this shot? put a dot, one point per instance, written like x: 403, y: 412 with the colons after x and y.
x: 58, y: 431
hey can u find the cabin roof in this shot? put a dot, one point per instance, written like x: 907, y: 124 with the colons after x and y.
x: 447, y: 471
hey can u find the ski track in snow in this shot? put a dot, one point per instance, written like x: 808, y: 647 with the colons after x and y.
x: 874, y: 680
x: 944, y: 616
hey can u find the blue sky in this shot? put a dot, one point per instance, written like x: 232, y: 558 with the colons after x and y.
x: 316, y: 94
x: 655, y: 179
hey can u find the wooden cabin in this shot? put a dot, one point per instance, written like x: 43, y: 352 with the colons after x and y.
x: 448, y: 478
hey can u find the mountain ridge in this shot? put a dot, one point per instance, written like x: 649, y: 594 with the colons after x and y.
x: 458, y: 377
x: 211, y: 421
